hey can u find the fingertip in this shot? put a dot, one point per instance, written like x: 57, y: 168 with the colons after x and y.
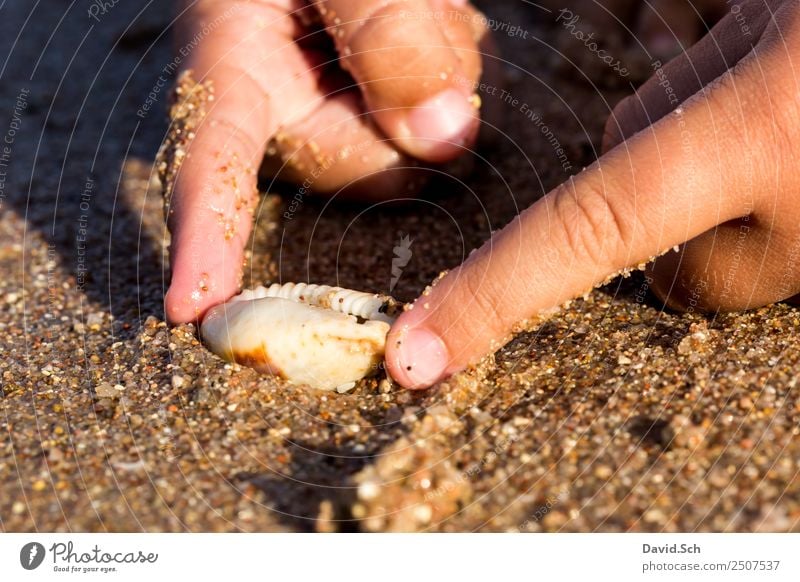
x: 189, y: 303
x: 416, y: 357
x: 201, y: 279
x: 177, y: 311
x: 437, y: 129
x: 416, y: 67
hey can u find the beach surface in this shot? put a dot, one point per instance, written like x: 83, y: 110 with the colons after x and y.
x: 614, y: 415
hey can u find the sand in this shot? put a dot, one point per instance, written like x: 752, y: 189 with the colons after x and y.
x: 614, y: 415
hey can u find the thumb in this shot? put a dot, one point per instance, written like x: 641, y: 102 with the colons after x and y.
x: 416, y: 68
x: 667, y: 184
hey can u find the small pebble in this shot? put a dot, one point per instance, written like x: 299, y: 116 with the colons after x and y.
x: 106, y: 390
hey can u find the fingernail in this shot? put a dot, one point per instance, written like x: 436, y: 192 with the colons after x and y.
x: 440, y: 125
x: 421, y: 359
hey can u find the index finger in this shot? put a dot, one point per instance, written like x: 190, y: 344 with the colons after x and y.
x: 671, y: 182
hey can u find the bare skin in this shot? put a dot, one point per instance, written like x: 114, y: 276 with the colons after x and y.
x: 706, y: 167
x: 711, y: 171
x: 278, y: 91
x: 664, y: 27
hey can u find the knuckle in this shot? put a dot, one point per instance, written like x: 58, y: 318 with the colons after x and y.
x: 780, y: 105
x: 777, y: 111
x: 594, y: 224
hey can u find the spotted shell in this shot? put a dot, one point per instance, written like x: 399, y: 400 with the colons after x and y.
x: 321, y: 336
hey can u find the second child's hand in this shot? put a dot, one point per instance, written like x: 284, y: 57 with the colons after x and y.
x: 276, y: 78
x: 713, y: 171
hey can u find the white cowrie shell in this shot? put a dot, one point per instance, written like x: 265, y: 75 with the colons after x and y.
x: 325, y: 337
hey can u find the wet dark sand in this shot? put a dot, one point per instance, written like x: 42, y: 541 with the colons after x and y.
x: 612, y: 416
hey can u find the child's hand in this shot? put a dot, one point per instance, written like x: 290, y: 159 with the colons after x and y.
x: 274, y: 78
x: 713, y: 142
